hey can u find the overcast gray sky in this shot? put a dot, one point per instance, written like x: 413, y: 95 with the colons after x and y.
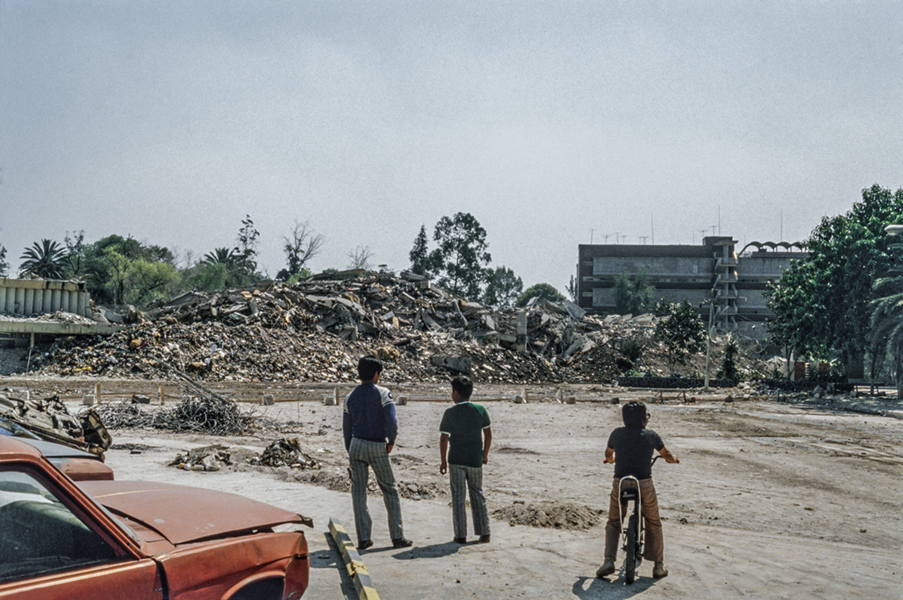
x: 553, y: 123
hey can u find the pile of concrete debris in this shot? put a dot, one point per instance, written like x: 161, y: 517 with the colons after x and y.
x: 316, y: 329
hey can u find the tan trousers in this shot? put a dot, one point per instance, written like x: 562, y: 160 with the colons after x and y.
x: 652, y: 524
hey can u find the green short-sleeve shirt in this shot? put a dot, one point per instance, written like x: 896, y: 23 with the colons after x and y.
x: 464, y: 423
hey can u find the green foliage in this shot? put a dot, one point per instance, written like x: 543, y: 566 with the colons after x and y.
x: 210, y: 276
x: 544, y: 291
x: 46, y: 260
x: 244, y: 263
x: 824, y: 302
x: 219, y: 256
x: 462, y: 255
x: 503, y: 288
x: 419, y: 255
x: 679, y: 329
x: 304, y: 274
x: 572, y: 290
x: 105, y: 266
x: 144, y: 281
x: 75, y: 254
x: 887, y: 321
x: 632, y: 294
x: 728, y: 369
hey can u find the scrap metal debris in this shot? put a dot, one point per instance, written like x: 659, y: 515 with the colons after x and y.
x: 316, y: 329
x: 49, y: 419
x: 285, y: 452
x: 209, y: 414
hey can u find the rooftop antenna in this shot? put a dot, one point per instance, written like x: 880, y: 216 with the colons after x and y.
x: 644, y: 238
x: 719, y: 219
x: 652, y: 227
x: 702, y: 231
x: 617, y: 237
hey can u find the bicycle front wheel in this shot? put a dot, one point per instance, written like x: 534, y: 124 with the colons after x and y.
x: 630, y: 562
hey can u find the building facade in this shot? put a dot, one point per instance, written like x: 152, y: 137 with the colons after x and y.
x: 727, y: 286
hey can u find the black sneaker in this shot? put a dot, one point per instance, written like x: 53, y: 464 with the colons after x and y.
x: 484, y: 539
x: 402, y: 542
x: 365, y: 545
x: 462, y: 540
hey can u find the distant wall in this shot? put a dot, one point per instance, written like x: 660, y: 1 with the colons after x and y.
x: 29, y: 297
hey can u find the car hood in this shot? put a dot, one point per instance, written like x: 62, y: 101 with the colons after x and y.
x: 184, y: 514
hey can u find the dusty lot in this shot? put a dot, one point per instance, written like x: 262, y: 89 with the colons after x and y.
x: 770, y: 500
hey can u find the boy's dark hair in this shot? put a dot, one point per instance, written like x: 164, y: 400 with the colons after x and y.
x: 634, y: 415
x: 368, y: 366
x: 463, y: 385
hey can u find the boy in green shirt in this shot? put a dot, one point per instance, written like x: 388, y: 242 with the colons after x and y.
x: 465, y: 437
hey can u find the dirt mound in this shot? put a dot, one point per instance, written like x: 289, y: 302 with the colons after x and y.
x: 552, y: 515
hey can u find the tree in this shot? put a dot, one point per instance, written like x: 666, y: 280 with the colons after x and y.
x: 462, y: 255
x: 795, y: 315
x: 572, y: 290
x: 419, y: 255
x: 728, y: 369
x: 4, y: 266
x: 46, y: 260
x: 846, y: 254
x: 75, y: 253
x: 106, y: 264
x: 219, y: 256
x: 245, y: 253
x: 887, y: 321
x: 679, y: 329
x: 359, y: 258
x: 144, y: 281
x: 544, y: 291
x: 632, y: 294
x: 503, y: 287
x: 302, y: 246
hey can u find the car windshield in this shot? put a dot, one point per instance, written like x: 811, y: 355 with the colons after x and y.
x: 39, y: 534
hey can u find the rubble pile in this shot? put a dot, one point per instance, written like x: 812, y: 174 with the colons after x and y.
x: 208, y: 458
x: 565, y: 515
x: 49, y: 419
x: 316, y: 329
x: 285, y: 452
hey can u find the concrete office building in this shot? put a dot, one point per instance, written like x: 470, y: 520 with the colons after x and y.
x: 713, y: 270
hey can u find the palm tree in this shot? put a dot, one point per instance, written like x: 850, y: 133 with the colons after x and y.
x: 220, y: 256
x: 45, y: 260
x: 887, y: 321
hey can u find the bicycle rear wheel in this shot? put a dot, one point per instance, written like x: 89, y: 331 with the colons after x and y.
x: 630, y: 562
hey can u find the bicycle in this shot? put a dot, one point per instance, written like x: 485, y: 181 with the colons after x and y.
x: 630, y: 498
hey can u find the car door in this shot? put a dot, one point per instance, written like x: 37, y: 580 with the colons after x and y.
x: 51, y: 549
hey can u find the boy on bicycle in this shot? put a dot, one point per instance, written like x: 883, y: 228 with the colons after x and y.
x: 630, y: 448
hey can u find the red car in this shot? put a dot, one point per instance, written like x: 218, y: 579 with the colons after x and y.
x: 127, y: 539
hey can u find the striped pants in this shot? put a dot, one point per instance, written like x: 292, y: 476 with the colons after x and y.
x: 461, y: 480
x: 364, y: 455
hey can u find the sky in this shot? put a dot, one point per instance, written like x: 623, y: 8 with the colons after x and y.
x: 553, y: 123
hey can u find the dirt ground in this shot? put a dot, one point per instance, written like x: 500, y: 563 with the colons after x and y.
x: 770, y: 500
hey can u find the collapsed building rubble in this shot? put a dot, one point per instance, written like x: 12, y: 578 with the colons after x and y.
x: 285, y: 452
x: 50, y: 420
x: 315, y: 330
